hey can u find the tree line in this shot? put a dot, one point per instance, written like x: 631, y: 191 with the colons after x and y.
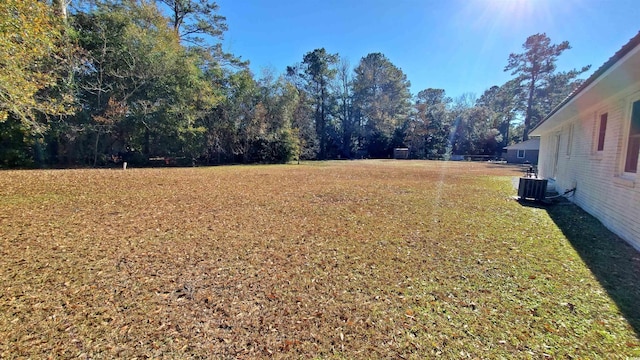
x: 99, y: 82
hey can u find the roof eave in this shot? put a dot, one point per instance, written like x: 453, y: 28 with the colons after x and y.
x: 629, y: 48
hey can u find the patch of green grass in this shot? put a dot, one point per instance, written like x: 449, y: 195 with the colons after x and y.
x: 364, y: 259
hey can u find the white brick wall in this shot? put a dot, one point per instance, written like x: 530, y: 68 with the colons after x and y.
x: 601, y: 191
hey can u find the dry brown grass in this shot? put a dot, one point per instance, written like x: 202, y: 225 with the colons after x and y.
x: 367, y: 259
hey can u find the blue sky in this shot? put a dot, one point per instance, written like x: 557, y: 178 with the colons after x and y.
x: 461, y: 46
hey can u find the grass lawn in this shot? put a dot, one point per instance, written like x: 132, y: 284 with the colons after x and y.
x: 364, y: 259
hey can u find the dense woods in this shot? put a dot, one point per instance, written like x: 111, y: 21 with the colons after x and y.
x: 100, y: 82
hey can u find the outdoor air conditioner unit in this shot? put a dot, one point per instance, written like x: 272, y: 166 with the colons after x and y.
x: 532, y: 188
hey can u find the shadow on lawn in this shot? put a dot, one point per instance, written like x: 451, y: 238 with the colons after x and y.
x: 614, y: 262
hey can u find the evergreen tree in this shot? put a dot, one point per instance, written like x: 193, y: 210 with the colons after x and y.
x: 381, y: 101
x: 317, y: 71
x: 535, y: 70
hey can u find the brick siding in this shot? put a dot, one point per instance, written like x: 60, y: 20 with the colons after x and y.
x: 596, y: 175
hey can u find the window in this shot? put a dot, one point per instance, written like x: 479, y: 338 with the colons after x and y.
x: 602, y: 130
x: 633, y: 146
x: 570, y: 139
x: 556, y: 155
x: 520, y: 154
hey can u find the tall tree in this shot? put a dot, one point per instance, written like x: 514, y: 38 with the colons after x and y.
x: 473, y: 130
x: 427, y: 133
x: 318, y: 71
x: 381, y: 101
x: 559, y: 86
x: 534, y: 69
x: 140, y: 84
x: 199, y: 24
x: 193, y: 19
x: 345, y: 109
x: 501, y: 101
x: 246, y: 113
x: 462, y: 131
x: 302, y: 117
x: 281, y: 143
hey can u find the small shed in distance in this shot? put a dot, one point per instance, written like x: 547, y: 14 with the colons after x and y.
x: 523, y: 152
x: 401, y: 153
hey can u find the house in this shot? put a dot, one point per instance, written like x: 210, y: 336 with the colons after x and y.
x: 591, y: 142
x: 523, y: 152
